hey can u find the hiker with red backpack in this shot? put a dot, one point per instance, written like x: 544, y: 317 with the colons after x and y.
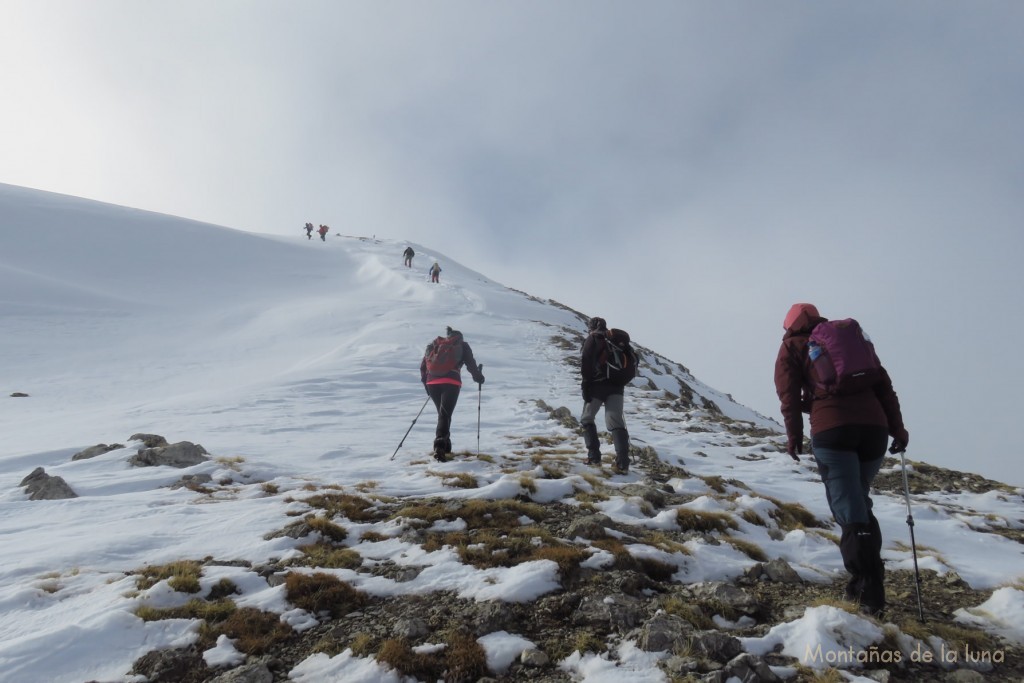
x: 439, y: 372
x: 829, y: 370
x: 323, y: 232
x: 607, y: 364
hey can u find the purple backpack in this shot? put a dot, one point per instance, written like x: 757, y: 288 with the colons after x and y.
x: 843, y: 359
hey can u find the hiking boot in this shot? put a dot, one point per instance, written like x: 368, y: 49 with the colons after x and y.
x: 853, y: 589
x: 593, y: 444
x: 440, y: 456
x: 620, y: 437
x: 878, y: 612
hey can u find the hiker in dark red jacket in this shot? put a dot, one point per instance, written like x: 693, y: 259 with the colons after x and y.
x: 599, y: 391
x: 439, y: 372
x: 323, y: 232
x: 849, y: 433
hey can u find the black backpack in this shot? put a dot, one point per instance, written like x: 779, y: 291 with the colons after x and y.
x: 616, y: 360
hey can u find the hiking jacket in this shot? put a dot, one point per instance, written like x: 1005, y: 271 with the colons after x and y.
x: 875, y: 406
x: 594, y: 380
x: 453, y: 377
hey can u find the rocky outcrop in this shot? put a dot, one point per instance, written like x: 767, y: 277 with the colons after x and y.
x: 181, y: 454
x: 41, y: 486
x: 93, y: 451
x: 149, y: 440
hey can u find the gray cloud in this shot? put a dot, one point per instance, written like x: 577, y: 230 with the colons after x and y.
x: 686, y: 169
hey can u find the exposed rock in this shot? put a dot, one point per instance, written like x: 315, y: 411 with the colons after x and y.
x: 728, y: 595
x: 616, y: 611
x: 18, y: 394
x: 746, y: 667
x: 780, y: 571
x: 411, y: 628
x: 93, y: 451
x: 149, y: 440
x: 41, y: 486
x: 965, y: 676
x: 489, y: 617
x: 663, y: 633
x: 534, y: 658
x: 256, y: 672
x: 590, y: 527
x: 654, y: 496
x: 192, y: 481
x: 181, y: 454
x: 716, y: 646
x: 169, y: 666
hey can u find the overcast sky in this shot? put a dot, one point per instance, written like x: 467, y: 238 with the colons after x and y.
x: 686, y: 169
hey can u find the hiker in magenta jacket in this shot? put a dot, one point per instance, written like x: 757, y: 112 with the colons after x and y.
x: 849, y: 434
x: 444, y: 391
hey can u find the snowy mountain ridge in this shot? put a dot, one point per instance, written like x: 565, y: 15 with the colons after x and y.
x: 294, y: 363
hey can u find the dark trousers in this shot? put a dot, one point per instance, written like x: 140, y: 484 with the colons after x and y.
x: 445, y: 396
x: 848, y: 459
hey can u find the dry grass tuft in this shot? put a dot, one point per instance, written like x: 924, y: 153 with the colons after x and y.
x: 465, y: 659
x: 253, y: 631
x: 327, y: 555
x: 327, y: 528
x: 182, y: 576
x: 656, y: 569
x: 691, y: 612
x: 791, y: 516
x: 699, y: 520
x: 956, y: 636
x: 354, y: 508
x: 193, y: 609
x: 321, y: 592
x: 751, y: 517
x: 748, y: 548
x: 398, y: 654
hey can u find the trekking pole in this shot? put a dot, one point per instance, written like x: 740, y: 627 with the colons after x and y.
x: 910, y: 523
x: 410, y: 428
x: 479, y: 396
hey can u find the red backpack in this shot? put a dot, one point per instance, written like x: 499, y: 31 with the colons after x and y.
x: 444, y: 354
x: 842, y: 358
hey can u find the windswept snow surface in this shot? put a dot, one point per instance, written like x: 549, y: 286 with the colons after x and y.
x: 295, y: 362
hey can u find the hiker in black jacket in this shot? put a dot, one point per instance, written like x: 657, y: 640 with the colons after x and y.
x: 599, y: 390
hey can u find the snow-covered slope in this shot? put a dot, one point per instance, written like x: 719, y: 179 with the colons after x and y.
x: 294, y: 362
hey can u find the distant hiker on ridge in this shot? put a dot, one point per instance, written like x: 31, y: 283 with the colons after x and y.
x: 435, y: 272
x: 407, y: 255
x: 309, y: 231
x: 323, y: 232
x: 607, y: 365
x: 439, y: 372
x: 853, y: 411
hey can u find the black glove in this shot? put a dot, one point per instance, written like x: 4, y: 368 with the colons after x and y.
x: 795, y: 447
x: 479, y: 379
x: 900, y: 439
